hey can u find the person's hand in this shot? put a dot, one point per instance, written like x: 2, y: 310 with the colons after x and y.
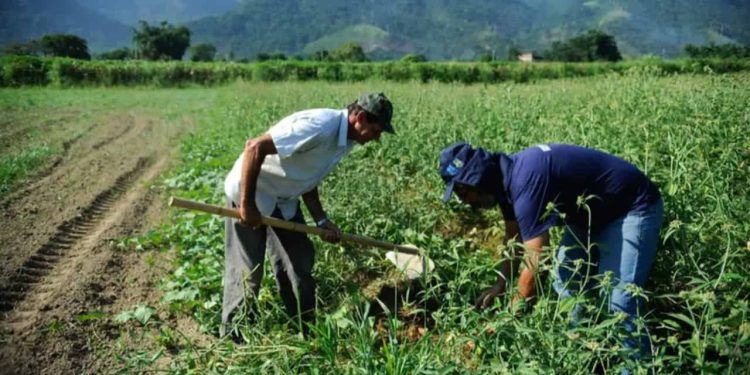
x: 519, y: 304
x: 250, y: 216
x: 487, y: 298
x: 332, y: 233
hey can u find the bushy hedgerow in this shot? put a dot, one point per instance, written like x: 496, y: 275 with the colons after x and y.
x: 30, y: 70
x: 24, y: 70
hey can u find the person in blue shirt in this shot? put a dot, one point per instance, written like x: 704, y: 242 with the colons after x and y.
x: 610, y: 210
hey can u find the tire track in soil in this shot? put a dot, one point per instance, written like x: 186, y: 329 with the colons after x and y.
x: 66, y: 145
x: 88, y: 275
x: 58, y: 260
x: 66, y: 150
x: 58, y: 160
x: 111, y: 139
x: 79, y: 158
x: 44, y: 260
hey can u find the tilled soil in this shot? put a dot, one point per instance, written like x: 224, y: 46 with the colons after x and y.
x: 58, y: 261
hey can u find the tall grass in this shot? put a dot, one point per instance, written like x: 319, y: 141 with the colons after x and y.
x: 14, y: 167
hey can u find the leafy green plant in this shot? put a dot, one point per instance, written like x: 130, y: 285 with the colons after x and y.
x: 16, y: 167
x: 142, y: 314
x: 93, y: 315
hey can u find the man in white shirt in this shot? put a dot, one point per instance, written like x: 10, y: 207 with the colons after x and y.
x: 274, y: 170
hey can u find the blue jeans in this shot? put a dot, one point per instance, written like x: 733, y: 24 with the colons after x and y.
x: 625, y: 248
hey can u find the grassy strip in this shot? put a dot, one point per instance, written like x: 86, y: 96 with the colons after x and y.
x: 688, y: 133
x: 15, y: 167
x: 25, y: 70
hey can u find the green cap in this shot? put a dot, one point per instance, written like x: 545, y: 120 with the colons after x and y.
x: 379, y: 105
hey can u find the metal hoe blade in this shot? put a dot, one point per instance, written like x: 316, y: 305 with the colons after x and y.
x: 411, y: 265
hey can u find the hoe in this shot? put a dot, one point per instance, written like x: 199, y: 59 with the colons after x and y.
x: 407, y: 258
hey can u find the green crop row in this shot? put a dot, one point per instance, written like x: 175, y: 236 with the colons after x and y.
x: 688, y: 133
x: 15, y: 167
x: 26, y: 70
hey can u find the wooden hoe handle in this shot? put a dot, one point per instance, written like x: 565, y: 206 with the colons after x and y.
x: 288, y: 225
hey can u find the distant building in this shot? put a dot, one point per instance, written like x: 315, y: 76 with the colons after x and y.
x: 526, y: 57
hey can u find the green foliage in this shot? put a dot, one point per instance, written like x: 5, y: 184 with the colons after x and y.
x: 687, y: 132
x: 485, y: 57
x: 321, y: 55
x: 348, y: 52
x: 414, y: 58
x: 273, y: 56
x: 594, y: 45
x: 142, y: 314
x: 163, y: 42
x: 15, y: 167
x: 202, y: 52
x: 65, y: 45
x: 123, y: 53
x: 723, y: 51
x: 94, y: 315
x: 30, y: 48
x: 26, y: 70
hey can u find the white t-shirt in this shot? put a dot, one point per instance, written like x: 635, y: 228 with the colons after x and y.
x: 309, y: 144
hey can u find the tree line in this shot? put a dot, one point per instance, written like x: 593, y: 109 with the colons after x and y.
x: 724, y: 51
x: 160, y: 42
x: 164, y: 42
x: 65, y: 72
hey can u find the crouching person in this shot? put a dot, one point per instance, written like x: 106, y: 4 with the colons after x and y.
x: 599, y: 198
x: 273, y: 171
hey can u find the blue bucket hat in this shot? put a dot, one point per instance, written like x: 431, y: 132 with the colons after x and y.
x: 461, y: 164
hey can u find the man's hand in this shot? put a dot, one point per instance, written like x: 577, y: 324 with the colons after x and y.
x: 519, y: 304
x: 250, y: 216
x: 487, y: 298
x: 332, y: 234
x: 312, y: 201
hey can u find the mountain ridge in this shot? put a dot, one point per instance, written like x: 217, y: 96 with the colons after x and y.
x: 23, y: 20
x: 447, y: 30
x: 438, y: 29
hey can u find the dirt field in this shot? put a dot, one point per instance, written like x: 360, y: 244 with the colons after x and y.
x: 59, y: 261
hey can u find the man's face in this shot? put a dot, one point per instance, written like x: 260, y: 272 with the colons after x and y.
x: 474, y: 197
x: 365, y: 131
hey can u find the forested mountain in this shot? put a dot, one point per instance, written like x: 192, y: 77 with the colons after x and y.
x: 130, y: 12
x: 439, y: 29
x: 642, y: 26
x: 23, y: 20
x: 444, y: 29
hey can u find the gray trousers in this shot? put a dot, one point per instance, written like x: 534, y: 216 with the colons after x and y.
x: 292, y: 255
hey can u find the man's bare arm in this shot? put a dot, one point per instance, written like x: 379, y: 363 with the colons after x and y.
x: 508, y: 267
x: 256, y: 150
x: 312, y: 201
x: 534, y: 248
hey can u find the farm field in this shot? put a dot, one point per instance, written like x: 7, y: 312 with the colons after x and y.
x: 133, y: 287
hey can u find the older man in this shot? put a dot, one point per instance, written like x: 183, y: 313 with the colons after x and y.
x: 600, y: 198
x: 273, y: 171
